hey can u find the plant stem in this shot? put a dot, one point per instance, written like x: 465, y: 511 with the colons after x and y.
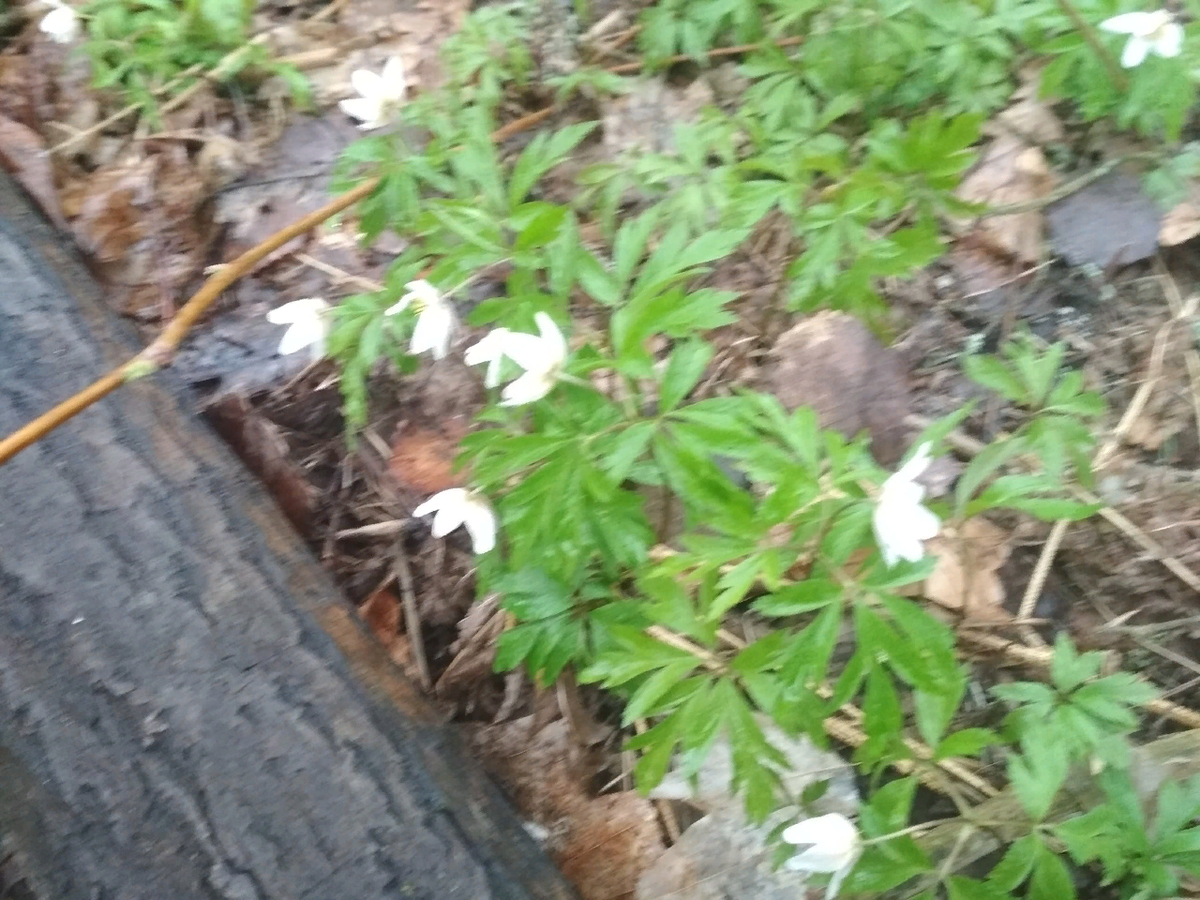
x: 1115, y: 73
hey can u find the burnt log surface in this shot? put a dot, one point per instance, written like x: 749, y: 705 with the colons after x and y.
x: 187, y: 707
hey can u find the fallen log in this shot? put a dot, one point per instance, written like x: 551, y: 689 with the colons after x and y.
x: 188, y: 709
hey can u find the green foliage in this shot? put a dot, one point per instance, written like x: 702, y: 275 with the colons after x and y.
x: 1159, y: 93
x: 1144, y: 858
x: 143, y: 47
x: 1058, y: 433
x: 1077, y: 717
x: 856, y: 145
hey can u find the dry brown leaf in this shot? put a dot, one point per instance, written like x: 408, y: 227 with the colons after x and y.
x: 23, y: 155
x: 600, y: 843
x: 982, y: 274
x: 1028, y: 117
x: 381, y: 612
x: 423, y: 458
x: 831, y: 362
x: 1010, y: 171
x: 967, y: 576
x: 107, y: 210
x: 475, y: 649
x: 1180, y: 225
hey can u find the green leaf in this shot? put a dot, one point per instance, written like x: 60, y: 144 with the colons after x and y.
x: 968, y: 742
x: 1016, y: 864
x: 513, y: 646
x: 542, y: 154
x: 537, y: 224
x: 847, y: 532
x: 1051, y: 879
x: 889, y: 807
x: 684, y: 368
x: 1050, y: 509
x: 630, y: 244
x: 960, y: 887
x: 659, y: 743
x: 644, y: 700
x: 986, y: 462
x: 673, y: 313
x: 934, y: 710
x: 1178, y: 805
x: 994, y: 373
x: 626, y: 449
x: 801, y: 597
x: 1037, y: 774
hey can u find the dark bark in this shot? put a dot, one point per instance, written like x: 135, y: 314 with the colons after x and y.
x: 187, y: 707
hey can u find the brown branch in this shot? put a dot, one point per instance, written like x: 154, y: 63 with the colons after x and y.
x: 160, y: 352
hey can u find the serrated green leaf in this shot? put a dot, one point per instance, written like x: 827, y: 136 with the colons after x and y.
x: 684, y: 368
x: 995, y: 374
x: 644, y: 699
x: 801, y: 597
x: 1051, y: 880
x: 1016, y: 864
x: 967, y: 742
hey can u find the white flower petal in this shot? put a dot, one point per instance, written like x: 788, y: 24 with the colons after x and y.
x: 392, y: 80
x: 1135, y: 51
x: 481, y: 524
x: 299, y: 336
x: 61, y: 23
x: 552, y: 339
x: 917, y: 465
x: 924, y: 523
x: 367, y: 110
x: 297, y: 311
x: 831, y: 844
x: 487, y: 348
x: 490, y: 350
x: 458, y: 506
x: 531, y: 386
x: 424, y: 292
x: 526, y: 350
x: 446, y: 520
x: 899, y: 520
x: 432, y: 332
x: 491, y: 378
x: 307, y: 325
x: 1129, y: 23
x: 367, y: 83
x: 437, y: 501
x: 896, y: 543
x: 1170, y: 40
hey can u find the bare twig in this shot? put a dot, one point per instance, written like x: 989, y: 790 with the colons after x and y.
x: 412, y: 619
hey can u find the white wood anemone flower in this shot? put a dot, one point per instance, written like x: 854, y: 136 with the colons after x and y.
x: 1149, y: 32
x: 901, y: 523
x: 308, y: 324
x: 435, y: 318
x: 830, y: 844
x: 61, y: 23
x: 456, y: 507
x: 541, y: 355
x: 490, y: 350
x: 379, y: 95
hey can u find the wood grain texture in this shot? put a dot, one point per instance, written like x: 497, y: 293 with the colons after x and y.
x: 187, y: 709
